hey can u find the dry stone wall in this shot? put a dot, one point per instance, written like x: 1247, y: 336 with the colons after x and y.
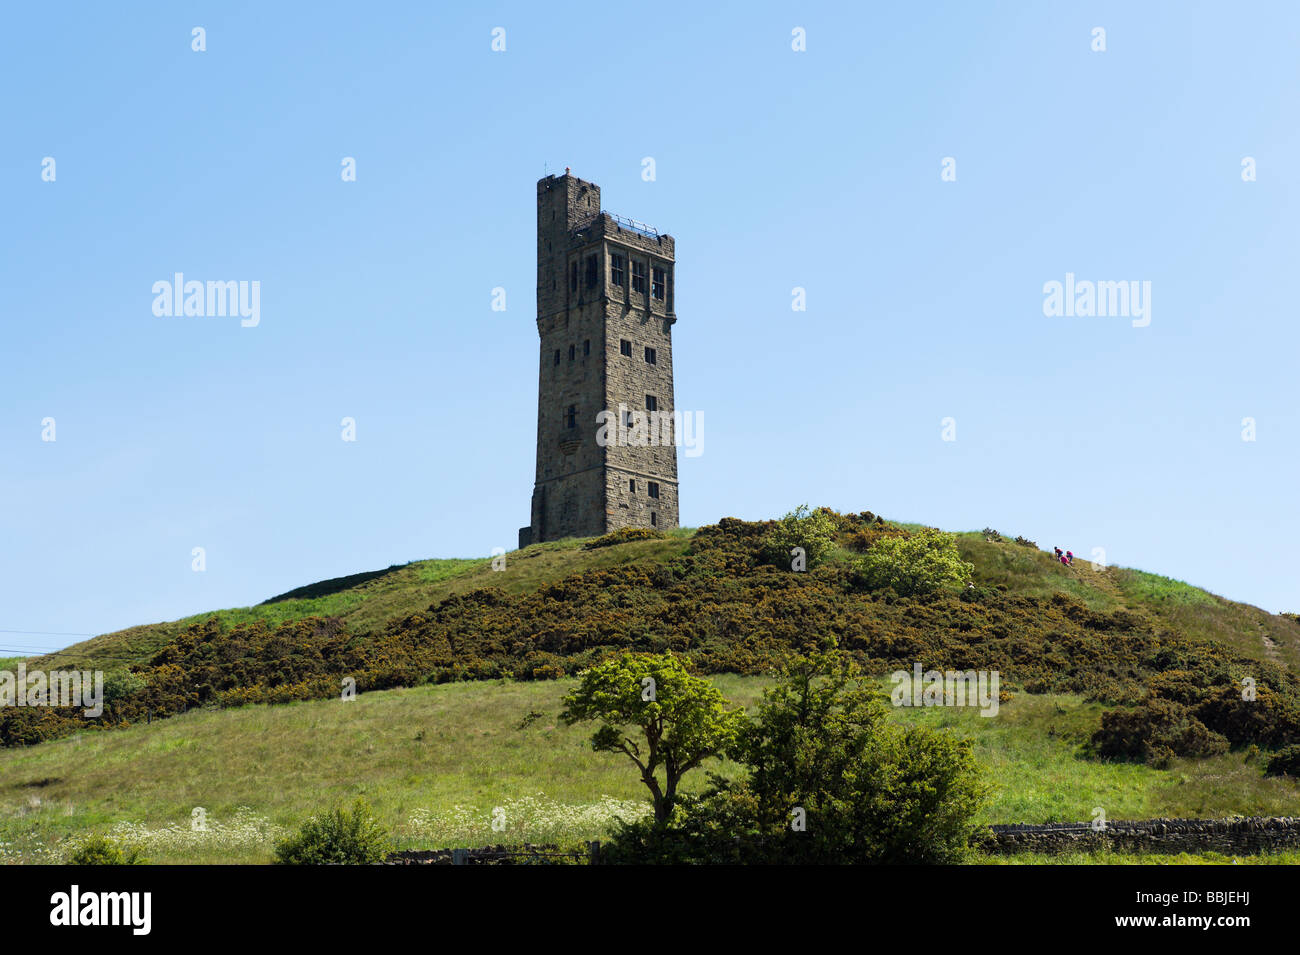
x: 1241, y: 836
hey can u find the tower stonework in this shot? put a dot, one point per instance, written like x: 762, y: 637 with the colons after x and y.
x: 604, y: 316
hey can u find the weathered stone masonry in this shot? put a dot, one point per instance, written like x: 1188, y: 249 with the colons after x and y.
x: 1242, y: 836
x: 605, y: 313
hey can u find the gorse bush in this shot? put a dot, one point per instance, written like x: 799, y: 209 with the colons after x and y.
x: 1285, y: 762
x: 103, y: 850
x: 1198, y: 710
x: 623, y: 536
x: 814, y: 531
x: 1155, y: 731
x: 861, y: 531
x: 918, y: 564
x: 338, y: 837
x: 1272, y: 718
x: 718, y: 601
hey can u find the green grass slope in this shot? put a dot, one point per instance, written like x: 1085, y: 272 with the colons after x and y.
x: 375, y: 597
x: 1191, y: 611
x: 435, y: 761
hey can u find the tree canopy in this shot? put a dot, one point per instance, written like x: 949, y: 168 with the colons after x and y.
x: 658, y: 715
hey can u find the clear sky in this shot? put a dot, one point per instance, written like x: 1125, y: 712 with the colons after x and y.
x: 774, y: 169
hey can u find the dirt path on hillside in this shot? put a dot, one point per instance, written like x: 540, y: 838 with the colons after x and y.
x: 1270, y: 646
x: 1099, y: 579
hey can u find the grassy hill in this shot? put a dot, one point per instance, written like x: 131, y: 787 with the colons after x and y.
x: 436, y: 760
x: 366, y: 601
x: 438, y: 737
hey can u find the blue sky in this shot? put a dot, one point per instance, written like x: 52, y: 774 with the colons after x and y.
x: 775, y: 169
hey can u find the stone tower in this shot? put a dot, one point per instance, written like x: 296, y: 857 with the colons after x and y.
x: 605, y: 317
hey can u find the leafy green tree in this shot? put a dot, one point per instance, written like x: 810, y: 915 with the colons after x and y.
x: 831, y: 780
x: 840, y: 783
x: 340, y: 837
x: 916, y: 564
x: 658, y: 715
x: 814, y: 531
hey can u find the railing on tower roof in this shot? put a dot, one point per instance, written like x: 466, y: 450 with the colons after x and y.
x: 626, y: 223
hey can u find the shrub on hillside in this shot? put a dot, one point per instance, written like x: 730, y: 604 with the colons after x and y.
x: 1285, y: 762
x: 717, y: 828
x: 714, y: 602
x: 830, y: 781
x: 863, y: 539
x: 814, y: 531
x: 1270, y: 719
x: 29, y: 725
x: 823, y: 753
x: 121, y: 685
x: 1182, y: 686
x: 917, y: 564
x: 624, y: 535
x: 103, y: 850
x: 337, y: 837
x: 1155, y: 731
x: 865, y: 517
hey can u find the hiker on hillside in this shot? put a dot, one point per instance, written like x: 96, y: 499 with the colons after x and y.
x: 1058, y: 552
x: 1069, y: 557
x: 1064, y: 561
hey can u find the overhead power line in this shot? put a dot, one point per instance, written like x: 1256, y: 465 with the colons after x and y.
x: 47, y: 633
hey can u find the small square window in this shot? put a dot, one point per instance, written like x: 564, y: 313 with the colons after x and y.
x: 572, y: 352
x: 631, y: 486
x: 659, y: 284
x: 650, y: 356
x: 573, y: 276
x: 591, y: 271
x: 627, y: 418
x: 652, y: 488
x: 638, y: 276
x: 571, y: 417
x: 625, y: 348
x: 654, y: 519
x: 617, y: 266
x: 586, y: 348
x: 651, y: 403
x: 557, y: 356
